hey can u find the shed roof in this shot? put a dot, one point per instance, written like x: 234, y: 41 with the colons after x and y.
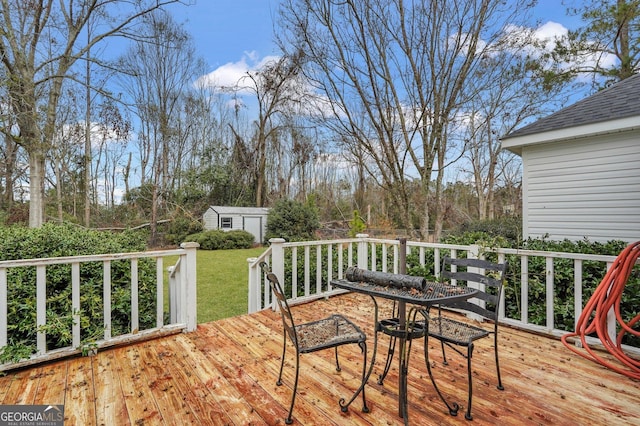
x: 621, y: 100
x: 240, y: 210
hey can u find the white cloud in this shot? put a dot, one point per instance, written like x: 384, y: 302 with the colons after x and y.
x: 537, y: 41
x: 232, y: 75
x: 550, y: 31
x: 533, y: 41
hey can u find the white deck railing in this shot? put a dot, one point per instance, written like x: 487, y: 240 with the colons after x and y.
x: 182, y: 299
x: 329, y: 259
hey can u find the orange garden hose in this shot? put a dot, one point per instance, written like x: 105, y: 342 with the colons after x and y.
x: 593, y: 319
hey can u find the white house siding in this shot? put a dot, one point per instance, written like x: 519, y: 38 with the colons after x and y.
x: 589, y: 187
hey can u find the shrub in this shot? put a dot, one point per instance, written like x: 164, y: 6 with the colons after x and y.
x: 357, y: 225
x: 55, y: 241
x: 292, y: 221
x: 180, y: 228
x: 507, y: 229
x: 217, y: 239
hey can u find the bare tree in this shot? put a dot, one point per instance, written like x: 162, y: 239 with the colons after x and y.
x: 274, y: 86
x: 503, y: 92
x: 39, y: 45
x: 8, y: 157
x: 159, y: 71
x: 394, y: 75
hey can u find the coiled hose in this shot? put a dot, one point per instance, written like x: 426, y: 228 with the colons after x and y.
x: 593, y: 319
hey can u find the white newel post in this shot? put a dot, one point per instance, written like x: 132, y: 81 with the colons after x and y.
x: 363, y: 258
x: 191, y: 314
x: 474, y: 253
x: 254, y: 285
x: 277, y: 260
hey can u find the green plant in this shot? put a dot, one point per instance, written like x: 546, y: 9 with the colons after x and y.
x: 292, y: 221
x: 54, y: 241
x: 218, y: 239
x: 180, y: 227
x: 508, y: 229
x: 357, y: 225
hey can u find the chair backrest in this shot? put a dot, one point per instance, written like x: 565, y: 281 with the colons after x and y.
x: 283, y: 305
x: 471, y: 271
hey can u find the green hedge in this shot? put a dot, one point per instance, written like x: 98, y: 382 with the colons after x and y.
x: 56, y: 241
x: 222, y: 240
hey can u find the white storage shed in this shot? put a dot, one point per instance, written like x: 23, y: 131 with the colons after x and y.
x: 250, y: 219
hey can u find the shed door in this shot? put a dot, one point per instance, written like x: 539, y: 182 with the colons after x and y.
x: 253, y: 224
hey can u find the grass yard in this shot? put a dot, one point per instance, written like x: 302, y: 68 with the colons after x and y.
x: 222, y: 282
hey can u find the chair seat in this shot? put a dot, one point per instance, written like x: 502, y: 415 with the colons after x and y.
x: 327, y: 333
x: 453, y: 331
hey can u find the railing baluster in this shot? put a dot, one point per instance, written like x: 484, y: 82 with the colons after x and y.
x: 106, y: 298
x: 307, y: 280
x: 3, y: 307
x: 329, y: 266
x: 318, y: 269
x: 294, y: 272
x: 524, y: 289
x: 159, y: 292
x: 549, y: 274
x: 75, y: 303
x: 374, y: 261
x: 135, y: 326
x: 577, y: 289
x: 385, y: 255
x: 41, y: 308
x: 340, y: 260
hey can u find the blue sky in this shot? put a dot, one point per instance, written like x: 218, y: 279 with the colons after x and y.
x: 235, y: 36
x: 226, y: 31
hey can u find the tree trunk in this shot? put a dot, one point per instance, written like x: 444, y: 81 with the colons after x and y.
x: 36, y: 189
x: 11, y: 153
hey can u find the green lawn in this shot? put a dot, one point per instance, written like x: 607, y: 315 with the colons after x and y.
x: 222, y: 282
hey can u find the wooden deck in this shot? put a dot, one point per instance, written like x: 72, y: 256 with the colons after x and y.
x: 224, y: 374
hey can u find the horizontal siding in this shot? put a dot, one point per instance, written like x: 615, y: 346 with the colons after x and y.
x: 210, y: 219
x: 584, y: 188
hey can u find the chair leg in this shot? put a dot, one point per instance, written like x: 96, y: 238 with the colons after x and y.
x: 289, y: 418
x: 337, y: 362
x: 470, y: 383
x: 444, y: 356
x: 344, y: 405
x: 453, y: 407
x: 495, y: 346
x: 363, y: 346
x: 284, y: 351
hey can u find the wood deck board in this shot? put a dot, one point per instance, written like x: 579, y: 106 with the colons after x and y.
x: 138, y: 399
x: 110, y: 401
x: 179, y: 361
x: 225, y: 374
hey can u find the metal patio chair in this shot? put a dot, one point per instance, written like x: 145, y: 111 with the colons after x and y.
x: 453, y: 333
x: 326, y: 333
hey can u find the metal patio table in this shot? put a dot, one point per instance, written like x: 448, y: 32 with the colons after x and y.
x: 406, y: 328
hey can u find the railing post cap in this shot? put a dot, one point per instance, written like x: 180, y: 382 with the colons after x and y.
x: 189, y: 244
x: 251, y: 260
x: 277, y: 240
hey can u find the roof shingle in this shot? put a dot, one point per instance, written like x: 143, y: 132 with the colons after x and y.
x: 620, y: 100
